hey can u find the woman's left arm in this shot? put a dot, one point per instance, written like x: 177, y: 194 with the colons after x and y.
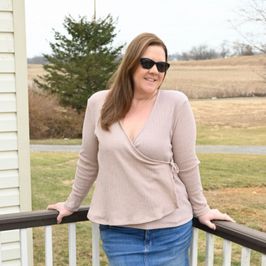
x: 184, y: 151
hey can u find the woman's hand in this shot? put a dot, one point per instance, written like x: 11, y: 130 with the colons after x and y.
x: 214, y: 214
x: 59, y: 206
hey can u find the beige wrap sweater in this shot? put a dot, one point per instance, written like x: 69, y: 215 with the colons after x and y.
x: 150, y: 182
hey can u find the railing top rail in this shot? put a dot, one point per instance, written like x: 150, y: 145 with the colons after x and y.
x: 237, y: 233
x: 22, y: 220
x: 234, y: 232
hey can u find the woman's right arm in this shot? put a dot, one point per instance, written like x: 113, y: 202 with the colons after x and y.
x: 87, y: 166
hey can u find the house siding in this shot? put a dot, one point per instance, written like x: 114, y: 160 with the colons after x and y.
x: 15, y: 185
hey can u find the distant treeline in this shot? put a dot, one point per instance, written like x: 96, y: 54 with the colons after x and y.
x: 201, y: 52
x: 37, y: 60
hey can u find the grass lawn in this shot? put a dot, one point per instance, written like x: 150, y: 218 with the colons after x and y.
x: 228, y: 180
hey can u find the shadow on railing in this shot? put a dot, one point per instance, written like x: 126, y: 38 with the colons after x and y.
x: 246, y: 237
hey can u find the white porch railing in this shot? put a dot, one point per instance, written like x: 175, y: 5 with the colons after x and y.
x: 248, y: 239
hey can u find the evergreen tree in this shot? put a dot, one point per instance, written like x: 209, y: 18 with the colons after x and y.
x: 81, y: 61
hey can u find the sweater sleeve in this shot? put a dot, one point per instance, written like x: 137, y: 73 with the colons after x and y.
x: 184, y: 143
x: 87, y: 165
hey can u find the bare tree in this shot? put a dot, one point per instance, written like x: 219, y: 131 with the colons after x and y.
x: 242, y: 49
x: 224, y: 49
x: 201, y: 52
x: 251, y: 24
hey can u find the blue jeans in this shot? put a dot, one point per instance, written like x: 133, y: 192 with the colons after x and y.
x: 126, y: 246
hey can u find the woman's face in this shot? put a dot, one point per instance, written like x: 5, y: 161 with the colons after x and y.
x: 148, y: 81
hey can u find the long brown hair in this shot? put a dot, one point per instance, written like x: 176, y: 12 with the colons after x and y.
x: 119, y: 98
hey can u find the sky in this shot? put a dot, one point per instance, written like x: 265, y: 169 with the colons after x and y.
x: 181, y: 24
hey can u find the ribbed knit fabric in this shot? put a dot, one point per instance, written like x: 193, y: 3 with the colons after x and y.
x: 150, y: 182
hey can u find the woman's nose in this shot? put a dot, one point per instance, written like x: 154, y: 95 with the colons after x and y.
x: 153, y: 69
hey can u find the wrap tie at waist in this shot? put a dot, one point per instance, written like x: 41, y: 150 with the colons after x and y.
x: 174, y: 167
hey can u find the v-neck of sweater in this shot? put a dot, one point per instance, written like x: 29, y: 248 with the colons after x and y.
x: 145, y: 125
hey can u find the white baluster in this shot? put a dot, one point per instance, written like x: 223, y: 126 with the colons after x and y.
x: 209, y: 249
x: 194, y: 248
x: 263, y: 260
x: 245, y: 256
x: 24, y: 247
x: 227, y: 250
x: 95, y: 244
x: 72, y: 244
x: 48, y: 246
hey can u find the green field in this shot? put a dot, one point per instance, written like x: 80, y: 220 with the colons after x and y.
x: 228, y: 180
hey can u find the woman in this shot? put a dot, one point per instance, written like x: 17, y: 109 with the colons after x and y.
x: 139, y: 142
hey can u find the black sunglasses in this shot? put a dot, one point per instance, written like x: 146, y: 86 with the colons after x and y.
x: 147, y: 63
